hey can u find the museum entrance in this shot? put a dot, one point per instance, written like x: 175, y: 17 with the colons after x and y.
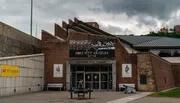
x: 97, y: 77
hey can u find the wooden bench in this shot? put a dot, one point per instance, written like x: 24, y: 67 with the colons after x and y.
x: 55, y: 85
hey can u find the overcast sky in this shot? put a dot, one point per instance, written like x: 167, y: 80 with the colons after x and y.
x: 115, y: 16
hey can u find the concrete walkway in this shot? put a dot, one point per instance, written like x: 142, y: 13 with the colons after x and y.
x: 63, y: 97
x: 157, y: 100
x: 130, y: 98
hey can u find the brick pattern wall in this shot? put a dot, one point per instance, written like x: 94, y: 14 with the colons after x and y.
x: 177, y: 28
x: 94, y: 24
x: 55, y: 53
x: 144, y: 67
x: 158, y: 71
x: 60, y: 32
x: 58, y: 55
x: 163, y: 73
x: 131, y: 59
x: 176, y: 73
x: 127, y: 59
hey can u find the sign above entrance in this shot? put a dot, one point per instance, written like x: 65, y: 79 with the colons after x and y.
x: 92, y: 48
x: 127, y: 70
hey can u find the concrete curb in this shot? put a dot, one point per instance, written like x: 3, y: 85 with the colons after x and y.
x: 169, y: 89
x: 131, y: 98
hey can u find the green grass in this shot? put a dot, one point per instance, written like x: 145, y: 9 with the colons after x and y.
x: 171, y: 93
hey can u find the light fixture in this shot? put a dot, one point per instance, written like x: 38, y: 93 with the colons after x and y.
x: 95, y: 77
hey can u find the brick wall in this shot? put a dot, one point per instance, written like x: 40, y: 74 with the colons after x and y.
x: 163, y: 73
x: 132, y: 59
x: 129, y: 59
x: 60, y: 32
x: 55, y: 53
x: 94, y: 24
x: 177, y: 28
x: 158, y: 71
x: 58, y: 55
x: 176, y: 73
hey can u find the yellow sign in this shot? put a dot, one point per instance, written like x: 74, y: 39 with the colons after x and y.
x: 9, y: 71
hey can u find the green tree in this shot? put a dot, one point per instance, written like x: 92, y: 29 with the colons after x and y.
x: 171, y: 34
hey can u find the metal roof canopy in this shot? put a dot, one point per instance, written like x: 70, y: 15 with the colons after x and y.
x: 150, y: 41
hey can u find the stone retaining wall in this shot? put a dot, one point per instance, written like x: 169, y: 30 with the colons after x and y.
x: 14, y: 42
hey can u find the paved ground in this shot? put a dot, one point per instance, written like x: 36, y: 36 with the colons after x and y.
x: 130, y: 98
x: 156, y: 100
x: 62, y: 97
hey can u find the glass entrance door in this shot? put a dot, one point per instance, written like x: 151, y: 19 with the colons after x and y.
x: 104, y: 80
x: 92, y: 76
x: 92, y: 80
x: 96, y: 80
x: 88, y: 80
x: 80, y: 77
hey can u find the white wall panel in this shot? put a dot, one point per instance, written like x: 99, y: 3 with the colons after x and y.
x: 31, y: 69
x: 19, y: 62
x: 2, y: 62
x: 1, y: 82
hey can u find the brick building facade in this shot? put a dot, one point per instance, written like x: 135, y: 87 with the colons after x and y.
x: 177, y: 28
x: 84, y: 52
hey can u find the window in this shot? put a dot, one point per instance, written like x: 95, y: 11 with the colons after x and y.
x: 176, y: 54
x: 164, y: 54
x: 143, y: 79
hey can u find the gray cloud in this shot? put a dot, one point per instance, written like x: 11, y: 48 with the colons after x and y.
x: 127, y: 32
x: 137, y: 17
x: 115, y: 30
x: 173, y: 22
x: 111, y: 29
x: 146, y: 21
x: 147, y: 13
x: 9, y: 7
x: 160, y: 9
x: 17, y: 14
